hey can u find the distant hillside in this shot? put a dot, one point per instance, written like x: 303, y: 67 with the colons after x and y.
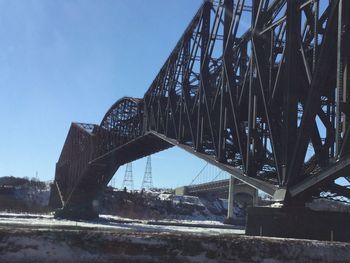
x: 18, y: 181
x: 23, y: 195
x: 165, y: 205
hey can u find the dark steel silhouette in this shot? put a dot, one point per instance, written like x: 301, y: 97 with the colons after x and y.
x: 261, y: 91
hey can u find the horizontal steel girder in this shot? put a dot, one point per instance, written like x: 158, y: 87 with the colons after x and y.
x: 341, y: 168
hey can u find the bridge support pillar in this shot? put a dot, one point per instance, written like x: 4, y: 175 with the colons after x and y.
x: 230, y: 199
x: 78, y: 212
x: 298, y: 222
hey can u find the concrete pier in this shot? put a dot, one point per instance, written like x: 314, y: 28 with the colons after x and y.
x: 297, y: 222
x: 230, y: 199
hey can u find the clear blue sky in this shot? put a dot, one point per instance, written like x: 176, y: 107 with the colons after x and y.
x: 70, y: 60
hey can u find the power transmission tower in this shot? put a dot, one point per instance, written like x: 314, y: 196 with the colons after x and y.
x: 147, y: 182
x: 128, y: 181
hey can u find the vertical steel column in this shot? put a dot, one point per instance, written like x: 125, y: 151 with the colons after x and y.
x: 342, y: 75
x: 315, y: 50
x: 339, y: 90
x: 204, y: 72
x: 252, y: 100
x: 346, y: 94
x: 227, y: 59
x: 343, y: 80
x: 290, y: 105
x: 185, y: 84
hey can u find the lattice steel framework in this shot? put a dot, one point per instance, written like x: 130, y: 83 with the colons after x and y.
x: 128, y: 181
x: 271, y: 100
x: 259, y: 88
x: 147, y: 181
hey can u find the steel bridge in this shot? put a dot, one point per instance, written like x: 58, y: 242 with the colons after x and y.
x: 259, y: 88
x: 219, y: 188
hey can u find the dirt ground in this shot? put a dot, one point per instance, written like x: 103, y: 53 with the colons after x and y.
x: 87, y: 245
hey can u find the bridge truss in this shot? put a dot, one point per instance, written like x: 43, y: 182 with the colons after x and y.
x: 259, y: 88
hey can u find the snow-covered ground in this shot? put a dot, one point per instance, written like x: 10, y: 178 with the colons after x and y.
x: 111, y: 223
x: 41, y: 238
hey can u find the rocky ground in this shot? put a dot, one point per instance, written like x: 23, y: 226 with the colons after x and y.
x: 130, y: 244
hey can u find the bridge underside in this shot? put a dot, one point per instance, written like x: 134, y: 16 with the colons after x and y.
x: 258, y: 88
x: 83, y: 199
